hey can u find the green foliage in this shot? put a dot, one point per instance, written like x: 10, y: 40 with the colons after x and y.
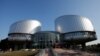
x: 19, y: 53
x: 93, y: 48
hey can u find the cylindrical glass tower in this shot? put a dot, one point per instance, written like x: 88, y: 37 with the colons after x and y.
x: 20, y: 33
x: 45, y: 39
x: 75, y: 29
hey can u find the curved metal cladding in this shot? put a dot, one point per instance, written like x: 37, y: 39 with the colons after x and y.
x: 70, y: 23
x: 25, y: 26
x: 74, y: 27
x: 22, y: 30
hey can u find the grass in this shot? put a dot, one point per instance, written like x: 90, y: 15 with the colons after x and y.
x: 19, y: 53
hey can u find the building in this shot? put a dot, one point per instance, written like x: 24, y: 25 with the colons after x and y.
x: 71, y: 30
x: 75, y: 29
x: 20, y: 33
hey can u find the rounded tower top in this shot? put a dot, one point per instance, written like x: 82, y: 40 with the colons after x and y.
x: 71, y: 23
x: 25, y: 26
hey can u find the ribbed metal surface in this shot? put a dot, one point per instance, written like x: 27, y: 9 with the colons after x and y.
x: 71, y: 23
x: 25, y: 26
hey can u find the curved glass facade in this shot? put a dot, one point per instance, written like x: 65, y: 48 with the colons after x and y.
x: 19, y: 37
x: 80, y: 35
x: 45, y: 39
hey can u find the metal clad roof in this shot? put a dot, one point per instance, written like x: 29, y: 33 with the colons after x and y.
x: 70, y: 23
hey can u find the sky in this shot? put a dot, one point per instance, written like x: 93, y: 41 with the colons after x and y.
x: 46, y: 11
